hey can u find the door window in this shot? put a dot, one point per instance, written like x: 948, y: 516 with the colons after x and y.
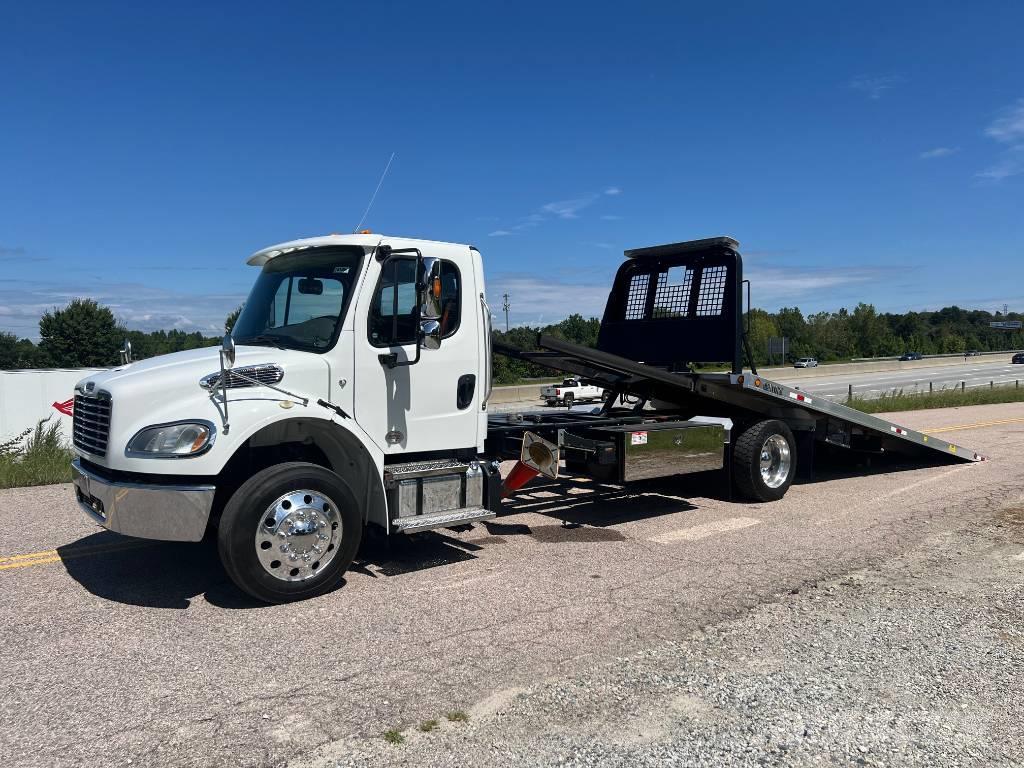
x: 392, y: 320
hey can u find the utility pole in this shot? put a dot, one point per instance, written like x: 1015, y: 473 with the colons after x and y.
x: 506, y: 307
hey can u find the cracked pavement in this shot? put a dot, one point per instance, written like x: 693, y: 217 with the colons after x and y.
x: 144, y: 653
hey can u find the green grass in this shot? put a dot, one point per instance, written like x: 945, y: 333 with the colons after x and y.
x: 428, y: 725
x: 458, y: 716
x: 898, y: 400
x: 394, y: 736
x: 43, y: 459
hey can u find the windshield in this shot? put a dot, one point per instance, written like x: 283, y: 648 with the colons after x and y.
x: 299, y: 299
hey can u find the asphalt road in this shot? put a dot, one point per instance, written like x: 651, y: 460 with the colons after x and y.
x: 118, y: 652
x: 870, y: 385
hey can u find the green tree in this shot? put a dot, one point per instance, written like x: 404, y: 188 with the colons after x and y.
x: 82, y: 335
x: 229, y: 321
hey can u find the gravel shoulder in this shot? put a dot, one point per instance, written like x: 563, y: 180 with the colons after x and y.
x: 916, y: 662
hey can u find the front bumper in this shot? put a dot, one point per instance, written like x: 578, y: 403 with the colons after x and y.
x: 148, y: 511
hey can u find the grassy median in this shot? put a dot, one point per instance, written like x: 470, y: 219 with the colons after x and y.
x: 944, y: 398
x: 37, y: 456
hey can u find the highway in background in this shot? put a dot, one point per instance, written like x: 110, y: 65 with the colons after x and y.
x: 875, y: 384
x: 867, y: 385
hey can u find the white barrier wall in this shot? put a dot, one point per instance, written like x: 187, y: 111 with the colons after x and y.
x: 28, y: 396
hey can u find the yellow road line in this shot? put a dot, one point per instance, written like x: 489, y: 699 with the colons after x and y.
x: 979, y: 425
x: 27, y: 563
x: 54, y: 556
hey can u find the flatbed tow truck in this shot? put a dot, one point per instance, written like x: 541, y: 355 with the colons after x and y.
x: 352, y: 393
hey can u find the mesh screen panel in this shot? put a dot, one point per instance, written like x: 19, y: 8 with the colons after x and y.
x: 636, y: 300
x: 712, y: 291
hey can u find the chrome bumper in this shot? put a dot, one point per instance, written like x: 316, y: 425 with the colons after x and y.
x: 167, y: 512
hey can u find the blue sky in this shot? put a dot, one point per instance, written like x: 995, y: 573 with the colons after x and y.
x: 859, y: 151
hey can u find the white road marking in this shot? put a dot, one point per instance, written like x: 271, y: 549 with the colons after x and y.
x: 697, y: 532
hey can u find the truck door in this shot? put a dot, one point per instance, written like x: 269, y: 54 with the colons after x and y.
x: 432, y: 404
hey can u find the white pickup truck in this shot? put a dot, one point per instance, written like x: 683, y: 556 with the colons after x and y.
x: 571, y: 391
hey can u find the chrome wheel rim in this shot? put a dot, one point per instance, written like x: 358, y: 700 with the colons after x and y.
x: 298, y: 535
x: 776, y: 460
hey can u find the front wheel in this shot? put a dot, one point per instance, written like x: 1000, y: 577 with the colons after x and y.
x: 289, y: 532
x: 764, y: 461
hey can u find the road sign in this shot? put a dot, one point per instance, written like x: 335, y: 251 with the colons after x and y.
x: 1007, y: 325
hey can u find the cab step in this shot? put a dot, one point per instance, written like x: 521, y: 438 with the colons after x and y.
x: 449, y: 519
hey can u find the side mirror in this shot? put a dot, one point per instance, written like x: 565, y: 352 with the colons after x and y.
x: 227, y: 351
x: 430, y: 288
x: 430, y: 334
x: 126, y: 353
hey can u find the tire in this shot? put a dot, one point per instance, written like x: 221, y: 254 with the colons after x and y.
x: 765, y: 438
x: 568, y: 400
x: 314, y: 514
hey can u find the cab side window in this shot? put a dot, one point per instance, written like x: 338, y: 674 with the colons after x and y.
x: 393, y: 311
x: 392, y: 320
x: 451, y: 299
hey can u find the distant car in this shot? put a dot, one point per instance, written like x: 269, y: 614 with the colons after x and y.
x: 910, y: 356
x: 1018, y: 359
x: 971, y: 353
x: 806, y: 362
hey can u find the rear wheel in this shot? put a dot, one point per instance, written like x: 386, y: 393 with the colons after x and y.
x: 764, y: 461
x: 568, y: 399
x: 289, y: 532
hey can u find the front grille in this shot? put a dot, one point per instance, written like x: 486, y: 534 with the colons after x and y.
x: 91, y: 423
x: 266, y: 373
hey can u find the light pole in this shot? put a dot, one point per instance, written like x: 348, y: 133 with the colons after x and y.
x: 505, y: 306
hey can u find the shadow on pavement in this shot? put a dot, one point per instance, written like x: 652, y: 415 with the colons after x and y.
x: 155, y: 574
x: 165, y: 574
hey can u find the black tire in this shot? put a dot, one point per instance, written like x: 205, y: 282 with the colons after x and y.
x: 568, y: 399
x: 244, y: 514
x: 746, y: 461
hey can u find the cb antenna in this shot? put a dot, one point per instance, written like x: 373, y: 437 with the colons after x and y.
x: 374, y: 195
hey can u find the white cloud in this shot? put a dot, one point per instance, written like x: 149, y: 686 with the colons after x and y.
x: 568, y: 209
x: 1010, y: 164
x: 1008, y: 128
x: 546, y: 297
x: 772, y: 285
x: 939, y: 152
x: 559, y: 209
x: 139, y: 306
x: 875, y: 87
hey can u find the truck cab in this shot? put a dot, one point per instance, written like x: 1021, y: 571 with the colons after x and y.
x: 354, y: 355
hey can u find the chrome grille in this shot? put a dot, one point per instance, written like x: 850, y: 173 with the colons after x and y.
x: 266, y: 373
x: 91, y: 423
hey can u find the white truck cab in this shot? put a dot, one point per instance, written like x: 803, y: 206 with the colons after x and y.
x: 350, y: 350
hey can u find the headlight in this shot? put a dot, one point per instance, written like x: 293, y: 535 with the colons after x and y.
x: 172, y: 441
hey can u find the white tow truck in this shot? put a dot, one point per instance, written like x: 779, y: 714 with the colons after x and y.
x: 569, y: 392
x: 352, y: 393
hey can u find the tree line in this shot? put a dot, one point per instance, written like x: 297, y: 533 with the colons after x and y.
x: 85, y: 334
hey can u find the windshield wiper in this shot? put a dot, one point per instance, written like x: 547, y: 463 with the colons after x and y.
x: 264, y: 338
